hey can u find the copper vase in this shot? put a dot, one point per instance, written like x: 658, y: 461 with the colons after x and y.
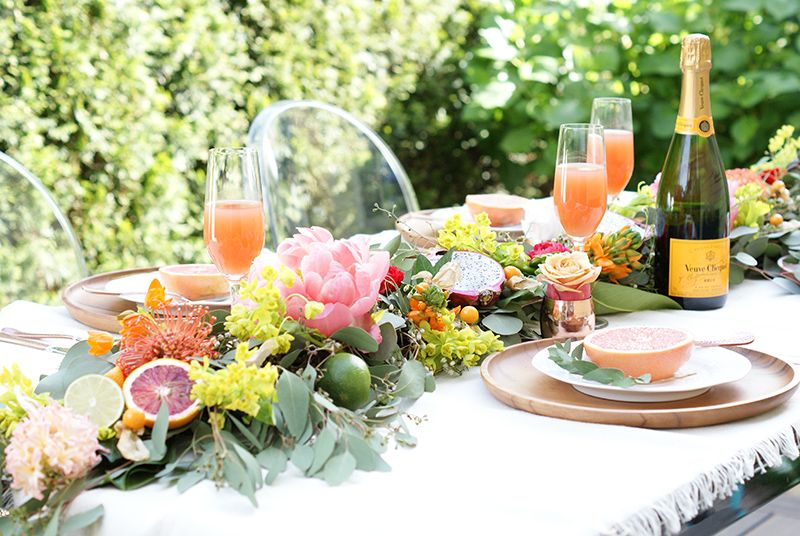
x: 564, y: 319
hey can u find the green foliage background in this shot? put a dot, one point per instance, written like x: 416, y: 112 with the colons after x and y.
x: 114, y: 104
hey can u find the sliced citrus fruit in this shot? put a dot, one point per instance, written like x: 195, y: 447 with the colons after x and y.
x: 502, y: 209
x: 161, y: 380
x: 96, y: 396
x: 117, y: 375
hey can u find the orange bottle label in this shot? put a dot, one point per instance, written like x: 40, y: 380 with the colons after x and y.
x: 699, y: 268
x: 699, y: 126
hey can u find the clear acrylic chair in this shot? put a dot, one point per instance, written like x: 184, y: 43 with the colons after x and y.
x: 322, y: 166
x: 39, y: 253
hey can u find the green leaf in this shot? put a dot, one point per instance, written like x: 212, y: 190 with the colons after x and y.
x: 356, y: 338
x: 289, y: 359
x: 293, y: 401
x: 780, y: 9
x: 367, y: 459
x: 238, y: 478
x: 502, y: 324
x: 339, y: 468
x: 792, y: 239
x: 78, y: 365
x: 422, y: 264
x: 742, y: 231
x: 610, y: 298
x: 189, y: 480
x: 274, y: 461
x: 746, y: 259
x: 323, y: 448
x: 744, y: 128
x: 393, y: 245
x: 441, y: 261
x: 411, y: 382
x: 82, y: 520
x: 397, y: 322
x: 609, y: 376
x: 157, y: 444
x: 786, y: 284
x: 757, y: 247
x: 53, y: 525
x: 735, y: 274
x: 302, y: 457
x: 388, y: 344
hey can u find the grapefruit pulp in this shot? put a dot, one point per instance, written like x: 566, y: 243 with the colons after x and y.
x: 161, y: 380
x: 502, y: 209
x: 659, y: 352
x: 194, y: 281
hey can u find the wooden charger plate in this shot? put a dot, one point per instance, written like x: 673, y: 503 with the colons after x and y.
x: 513, y: 380
x: 96, y: 310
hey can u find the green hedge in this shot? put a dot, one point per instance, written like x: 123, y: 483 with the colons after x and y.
x: 114, y: 106
x: 529, y: 65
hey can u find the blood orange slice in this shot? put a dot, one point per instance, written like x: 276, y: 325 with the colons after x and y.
x: 640, y: 350
x: 161, y: 380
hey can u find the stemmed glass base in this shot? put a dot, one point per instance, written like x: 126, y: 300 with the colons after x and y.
x: 234, y: 283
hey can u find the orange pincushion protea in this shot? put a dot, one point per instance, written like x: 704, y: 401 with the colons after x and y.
x: 178, y: 332
x: 617, y: 254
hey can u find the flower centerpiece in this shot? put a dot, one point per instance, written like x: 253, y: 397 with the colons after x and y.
x: 567, y: 309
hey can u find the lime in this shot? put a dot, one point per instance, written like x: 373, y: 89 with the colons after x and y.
x: 96, y: 396
x: 346, y: 378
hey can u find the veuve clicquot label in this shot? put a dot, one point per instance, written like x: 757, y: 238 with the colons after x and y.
x: 692, y: 204
x: 698, y: 268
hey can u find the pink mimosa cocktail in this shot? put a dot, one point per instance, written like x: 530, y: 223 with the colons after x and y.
x: 619, y: 159
x: 234, y: 234
x: 580, y: 196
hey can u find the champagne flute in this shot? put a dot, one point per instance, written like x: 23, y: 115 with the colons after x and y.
x: 234, y: 212
x: 615, y: 115
x: 580, y: 189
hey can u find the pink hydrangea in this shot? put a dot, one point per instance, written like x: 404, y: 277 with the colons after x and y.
x: 52, y: 445
x: 345, y: 276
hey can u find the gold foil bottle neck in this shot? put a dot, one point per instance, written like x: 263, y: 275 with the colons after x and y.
x: 696, y: 53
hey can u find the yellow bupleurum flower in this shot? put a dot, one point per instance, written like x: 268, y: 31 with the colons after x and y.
x: 479, y: 237
x: 237, y: 387
x: 263, y: 316
x: 15, y: 388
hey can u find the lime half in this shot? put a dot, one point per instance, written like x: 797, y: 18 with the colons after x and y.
x: 96, y: 396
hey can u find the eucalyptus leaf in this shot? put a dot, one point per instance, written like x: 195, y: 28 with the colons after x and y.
x: 302, y: 457
x: 309, y: 376
x: 757, y: 247
x: 444, y: 259
x: 388, y: 343
x: 430, y: 383
x: 53, y: 525
x: 157, y: 444
x: 293, y: 400
x: 393, y: 245
x: 323, y: 448
x: 189, y: 480
x: 746, y: 259
x: 237, y: 477
x: 339, y: 468
x: 390, y: 318
x: 786, y: 284
x: 274, y: 460
x: 411, y: 382
x: 502, y: 324
x: 735, y: 274
x: 325, y: 403
x: 289, y: 359
x: 367, y: 459
x: 79, y: 365
x: 356, y: 338
x: 421, y: 264
x: 610, y: 376
x: 792, y: 239
x: 741, y: 231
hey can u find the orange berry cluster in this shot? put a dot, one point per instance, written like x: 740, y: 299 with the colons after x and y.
x: 422, y: 312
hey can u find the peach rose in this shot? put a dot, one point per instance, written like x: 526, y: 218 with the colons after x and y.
x: 568, y: 272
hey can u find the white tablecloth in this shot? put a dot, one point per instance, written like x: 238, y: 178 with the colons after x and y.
x: 482, y: 466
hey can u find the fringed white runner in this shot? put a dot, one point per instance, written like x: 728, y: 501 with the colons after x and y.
x: 669, y: 513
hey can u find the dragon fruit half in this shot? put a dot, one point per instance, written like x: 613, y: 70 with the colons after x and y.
x: 480, y: 279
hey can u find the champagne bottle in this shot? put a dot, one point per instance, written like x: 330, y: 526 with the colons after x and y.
x: 692, y: 204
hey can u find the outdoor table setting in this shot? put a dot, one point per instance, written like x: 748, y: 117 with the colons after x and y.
x: 592, y: 362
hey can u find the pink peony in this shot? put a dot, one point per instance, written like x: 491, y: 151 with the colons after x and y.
x: 49, y: 448
x: 345, y: 276
x: 546, y: 248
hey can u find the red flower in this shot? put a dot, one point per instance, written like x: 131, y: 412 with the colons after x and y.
x: 771, y: 175
x: 394, y: 277
x: 546, y: 248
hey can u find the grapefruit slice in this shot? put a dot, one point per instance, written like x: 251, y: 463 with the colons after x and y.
x: 194, y: 281
x: 640, y: 350
x: 96, y: 396
x: 161, y: 380
x: 503, y: 209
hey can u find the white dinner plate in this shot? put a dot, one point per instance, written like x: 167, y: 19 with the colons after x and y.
x: 134, y: 288
x: 706, y: 368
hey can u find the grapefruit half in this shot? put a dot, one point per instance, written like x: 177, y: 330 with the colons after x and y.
x: 640, y: 350
x: 503, y: 209
x: 161, y: 380
x: 194, y: 281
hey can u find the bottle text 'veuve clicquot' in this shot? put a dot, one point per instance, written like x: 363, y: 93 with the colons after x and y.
x: 692, y: 204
